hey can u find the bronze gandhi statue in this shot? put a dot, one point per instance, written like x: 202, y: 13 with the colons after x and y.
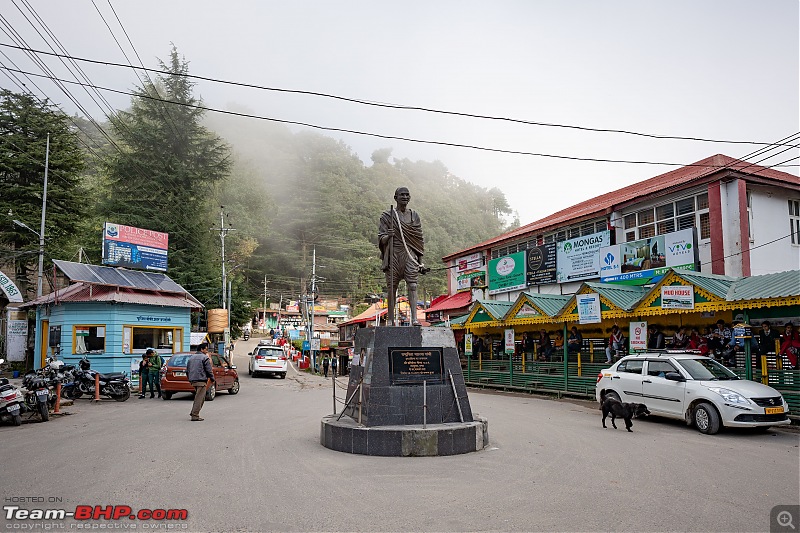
x: 402, y: 245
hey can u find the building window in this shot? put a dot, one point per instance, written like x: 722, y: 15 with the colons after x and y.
x: 164, y: 338
x: 794, y: 221
x: 682, y: 214
x: 88, y: 339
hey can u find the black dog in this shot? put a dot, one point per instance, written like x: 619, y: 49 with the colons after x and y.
x: 627, y: 411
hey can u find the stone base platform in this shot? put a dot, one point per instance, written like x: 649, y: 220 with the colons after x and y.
x: 451, y: 438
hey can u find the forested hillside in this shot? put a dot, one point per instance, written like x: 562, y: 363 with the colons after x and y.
x: 166, y: 165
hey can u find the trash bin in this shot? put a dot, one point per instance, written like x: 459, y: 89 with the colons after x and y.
x: 15, y: 374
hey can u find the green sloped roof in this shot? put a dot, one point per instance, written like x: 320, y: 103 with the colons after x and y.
x: 497, y: 309
x: 459, y: 320
x: 550, y: 304
x: 777, y: 285
x: 716, y: 284
x: 623, y: 296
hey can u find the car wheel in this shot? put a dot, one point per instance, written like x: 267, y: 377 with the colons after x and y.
x: 283, y: 375
x: 613, y: 395
x: 706, y: 419
x: 211, y: 393
x: 166, y: 395
x: 235, y: 388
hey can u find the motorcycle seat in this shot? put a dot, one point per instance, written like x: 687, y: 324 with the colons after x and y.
x: 112, y: 375
x: 6, y: 386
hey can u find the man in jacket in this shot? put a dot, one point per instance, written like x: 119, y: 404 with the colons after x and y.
x: 199, y: 372
x: 154, y: 373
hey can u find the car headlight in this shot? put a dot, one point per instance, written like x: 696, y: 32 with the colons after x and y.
x: 730, y: 396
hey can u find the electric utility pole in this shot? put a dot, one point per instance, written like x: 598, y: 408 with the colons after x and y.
x: 313, y: 293
x: 41, y: 229
x: 223, y: 232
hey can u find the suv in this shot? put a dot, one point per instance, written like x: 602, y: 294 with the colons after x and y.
x: 268, y: 359
x: 693, y: 388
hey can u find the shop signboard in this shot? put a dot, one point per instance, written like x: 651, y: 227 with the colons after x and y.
x: 130, y: 247
x: 588, y: 308
x: 507, y: 273
x: 10, y: 289
x: 638, y: 336
x: 542, y: 264
x: 644, y: 262
x: 509, y: 341
x: 468, y: 344
x: 470, y: 262
x: 578, y: 259
x: 677, y: 297
x: 17, y: 340
x: 471, y: 280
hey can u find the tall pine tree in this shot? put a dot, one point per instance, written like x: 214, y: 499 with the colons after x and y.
x: 164, y: 177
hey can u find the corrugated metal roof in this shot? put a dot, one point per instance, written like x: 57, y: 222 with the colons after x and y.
x: 777, y: 285
x: 550, y: 304
x: 496, y: 309
x: 623, y: 296
x: 715, y: 284
x: 88, y: 292
x: 456, y: 301
x: 677, y: 179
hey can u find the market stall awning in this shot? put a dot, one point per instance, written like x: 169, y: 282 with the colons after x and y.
x: 366, y: 316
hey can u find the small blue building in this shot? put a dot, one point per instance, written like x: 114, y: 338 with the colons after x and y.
x: 112, y: 315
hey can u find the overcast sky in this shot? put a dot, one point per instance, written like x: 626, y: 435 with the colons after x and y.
x: 723, y: 70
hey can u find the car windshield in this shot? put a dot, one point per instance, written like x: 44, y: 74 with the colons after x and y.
x: 270, y: 352
x: 706, y: 370
x: 179, y: 360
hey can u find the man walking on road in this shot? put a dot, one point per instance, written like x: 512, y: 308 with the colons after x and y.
x: 199, y: 372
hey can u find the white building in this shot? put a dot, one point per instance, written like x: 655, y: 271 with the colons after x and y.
x: 745, y: 220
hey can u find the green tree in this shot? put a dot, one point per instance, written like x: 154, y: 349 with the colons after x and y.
x: 25, y: 123
x: 165, y: 174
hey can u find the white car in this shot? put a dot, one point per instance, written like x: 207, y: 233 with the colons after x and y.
x: 696, y: 389
x: 268, y: 359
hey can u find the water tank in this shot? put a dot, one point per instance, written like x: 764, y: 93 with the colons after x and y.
x: 217, y: 320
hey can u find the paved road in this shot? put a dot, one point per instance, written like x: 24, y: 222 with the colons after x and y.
x: 256, y: 464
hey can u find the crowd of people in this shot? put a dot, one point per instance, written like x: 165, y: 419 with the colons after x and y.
x: 717, y: 341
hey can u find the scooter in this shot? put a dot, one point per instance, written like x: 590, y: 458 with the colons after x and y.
x: 246, y: 335
x: 12, y: 403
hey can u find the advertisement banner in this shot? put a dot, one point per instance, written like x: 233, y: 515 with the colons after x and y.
x: 507, y: 273
x: 644, y: 262
x: 471, y: 280
x: 542, y: 264
x: 131, y: 247
x: 578, y: 259
x: 638, y: 336
x: 17, y: 340
x: 10, y: 289
x: 468, y: 344
x: 470, y: 262
x: 509, y: 341
x: 677, y: 297
x: 588, y: 308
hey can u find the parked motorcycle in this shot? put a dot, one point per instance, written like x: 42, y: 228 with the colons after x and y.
x: 12, y: 403
x: 115, y: 385
x: 39, y: 395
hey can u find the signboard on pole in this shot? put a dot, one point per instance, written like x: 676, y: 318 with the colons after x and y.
x: 468, y: 344
x: 588, y: 308
x: 644, y: 262
x: 638, y: 336
x: 578, y: 259
x: 131, y: 247
x: 509, y: 338
x: 677, y: 297
x: 507, y: 273
x: 542, y: 264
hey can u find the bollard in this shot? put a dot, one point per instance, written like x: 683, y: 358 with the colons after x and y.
x: 764, y: 371
x: 579, y: 365
x: 58, y: 399
x: 97, y: 387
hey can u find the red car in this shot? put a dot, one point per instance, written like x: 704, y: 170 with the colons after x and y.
x: 174, y: 379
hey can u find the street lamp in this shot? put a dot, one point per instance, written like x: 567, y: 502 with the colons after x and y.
x: 41, y: 254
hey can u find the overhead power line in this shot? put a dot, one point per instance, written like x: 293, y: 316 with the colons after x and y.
x: 387, y: 105
x: 368, y: 134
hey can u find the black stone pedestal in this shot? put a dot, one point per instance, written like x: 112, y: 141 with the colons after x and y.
x: 406, y: 396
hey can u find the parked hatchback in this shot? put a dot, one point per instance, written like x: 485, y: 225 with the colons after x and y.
x: 696, y: 389
x: 268, y: 359
x: 174, y: 378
